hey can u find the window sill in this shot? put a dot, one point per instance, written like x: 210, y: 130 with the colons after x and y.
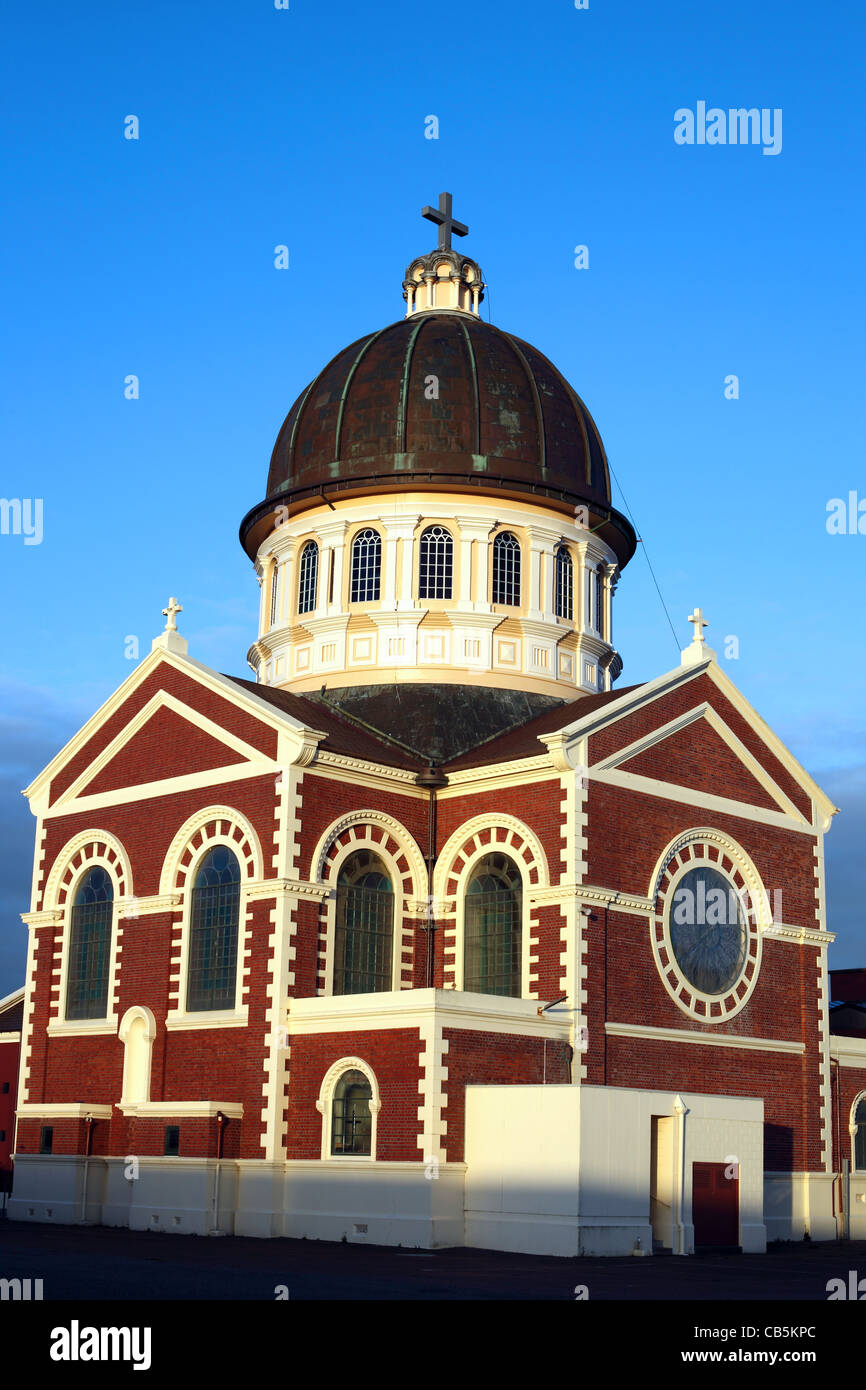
x: 82, y: 1028
x: 217, y: 1018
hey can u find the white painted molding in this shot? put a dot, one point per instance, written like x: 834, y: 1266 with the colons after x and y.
x: 687, y: 1035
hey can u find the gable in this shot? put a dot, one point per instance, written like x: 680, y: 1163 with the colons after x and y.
x: 698, y: 757
x: 168, y: 744
x: 165, y: 680
x: 609, y: 744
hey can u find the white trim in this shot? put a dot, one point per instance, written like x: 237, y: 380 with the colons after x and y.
x: 848, y: 1052
x: 493, y: 1013
x: 64, y: 1110
x: 11, y: 1000
x: 687, y: 1035
x: 325, y: 1107
x: 378, y: 820
x: 183, y: 1109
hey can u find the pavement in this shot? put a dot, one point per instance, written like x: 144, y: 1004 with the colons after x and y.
x: 96, y: 1262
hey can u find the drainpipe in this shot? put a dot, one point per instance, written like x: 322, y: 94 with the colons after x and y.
x: 432, y: 778
x: 680, y: 1178
x: 88, y: 1139
x: 221, y: 1124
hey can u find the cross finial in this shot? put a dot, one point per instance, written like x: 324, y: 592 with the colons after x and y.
x: 700, y: 623
x: 447, y: 225
x: 171, y: 613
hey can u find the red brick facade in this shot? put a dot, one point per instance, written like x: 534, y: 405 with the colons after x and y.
x: 623, y: 828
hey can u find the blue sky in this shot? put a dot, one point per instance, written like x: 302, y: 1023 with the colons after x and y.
x: 306, y: 127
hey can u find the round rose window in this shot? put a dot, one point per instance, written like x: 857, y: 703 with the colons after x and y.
x: 706, y: 928
x: 708, y: 932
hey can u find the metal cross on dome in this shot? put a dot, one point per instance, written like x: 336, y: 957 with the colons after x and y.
x: 447, y: 225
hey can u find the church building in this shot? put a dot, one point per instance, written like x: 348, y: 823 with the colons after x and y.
x: 433, y: 933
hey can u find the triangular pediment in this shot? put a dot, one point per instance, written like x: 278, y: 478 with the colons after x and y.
x: 699, y: 756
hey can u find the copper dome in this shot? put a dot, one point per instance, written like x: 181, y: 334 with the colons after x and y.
x: 498, y: 417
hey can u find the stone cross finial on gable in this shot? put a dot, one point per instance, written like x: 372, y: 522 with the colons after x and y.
x: 700, y: 623
x: 170, y: 639
x: 171, y: 614
x: 697, y: 651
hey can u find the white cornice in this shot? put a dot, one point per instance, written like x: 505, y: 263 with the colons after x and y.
x: 63, y: 1110
x: 849, y: 1052
x: 183, y: 1109
x: 683, y: 1035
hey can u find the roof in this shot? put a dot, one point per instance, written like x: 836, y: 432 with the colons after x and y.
x: 342, y: 735
x: 498, y: 417
x: 523, y: 742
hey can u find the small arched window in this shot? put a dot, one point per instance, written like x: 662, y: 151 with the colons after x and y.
x: 351, y: 1117
x: 598, y: 601
x: 435, y: 563
x: 213, y: 937
x: 860, y: 1136
x: 492, y: 928
x: 275, y: 593
x: 308, y: 577
x: 90, y: 946
x: 366, y: 566
x: 364, y: 937
x: 506, y: 569
x: 564, y: 584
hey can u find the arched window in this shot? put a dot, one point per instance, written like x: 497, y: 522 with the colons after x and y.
x: 598, y: 601
x: 860, y: 1136
x: 351, y: 1117
x: 435, y: 563
x: 308, y: 577
x: 564, y: 584
x: 364, y: 938
x: 213, y: 934
x: 90, y: 946
x: 492, y: 928
x: 275, y: 593
x: 506, y: 569
x: 366, y: 566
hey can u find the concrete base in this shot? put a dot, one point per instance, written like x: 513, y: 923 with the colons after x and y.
x: 797, y: 1205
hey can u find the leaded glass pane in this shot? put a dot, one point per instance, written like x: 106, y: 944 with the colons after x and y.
x: 213, y: 940
x: 708, y: 930
x: 351, y: 1119
x: 435, y: 563
x: 506, y: 569
x: 308, y: 577
x: 275, y: 593
x: 89, y: 945
x: 492, y: 928
x: 564, y: 584
x: 598, y: 593
x: 365, y: 927
x: 366, y: 566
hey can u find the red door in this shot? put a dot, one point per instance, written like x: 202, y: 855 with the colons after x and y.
x: 715, y: 1205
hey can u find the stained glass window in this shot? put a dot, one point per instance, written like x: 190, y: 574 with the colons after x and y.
x: 708, y: 930
x: 213, y: 940
x: 365, y: 926
x: 492, y: 928
x: 89, y: 946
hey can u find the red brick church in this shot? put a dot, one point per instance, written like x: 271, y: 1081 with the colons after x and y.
x: 432, y: 933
